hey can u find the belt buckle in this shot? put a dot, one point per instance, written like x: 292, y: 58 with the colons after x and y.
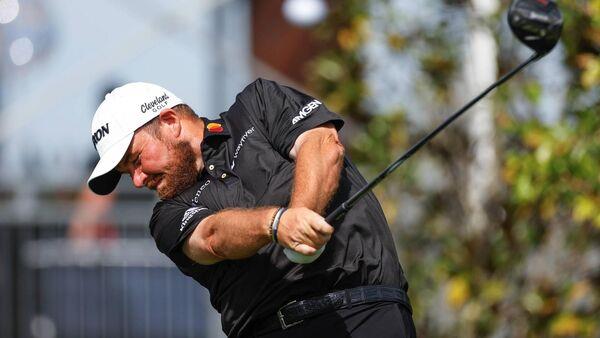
x: 285, y: 325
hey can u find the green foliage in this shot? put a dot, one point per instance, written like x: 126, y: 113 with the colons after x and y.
x: 337, y: 74
x: 532, y: 273
x: 553, y: 174
x: 381, y: 141
x: 554, y: 169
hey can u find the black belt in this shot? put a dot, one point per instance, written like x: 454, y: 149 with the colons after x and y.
x: 296, y: 312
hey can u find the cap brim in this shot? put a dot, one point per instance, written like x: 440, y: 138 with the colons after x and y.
x: 105, y: 177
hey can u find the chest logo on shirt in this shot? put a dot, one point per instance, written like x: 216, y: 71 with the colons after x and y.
x: 189, y: 213
x: 199, y: 192
x: 305, y: 111
x: 241, y: 145
x: 214, y: 127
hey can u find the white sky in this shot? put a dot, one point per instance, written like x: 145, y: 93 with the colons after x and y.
x: 48, y: 104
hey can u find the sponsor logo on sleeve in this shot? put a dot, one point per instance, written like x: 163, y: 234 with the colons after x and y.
x: 99, y: 134
x: 155, y: 105
x: 189, y: 213
x: 305, y: 111
x: 241, y: 145
x: 214, y: 127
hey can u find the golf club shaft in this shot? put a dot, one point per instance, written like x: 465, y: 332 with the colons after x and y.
x: 345, y: 206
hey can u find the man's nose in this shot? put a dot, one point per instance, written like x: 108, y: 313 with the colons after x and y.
x: 139, y: 177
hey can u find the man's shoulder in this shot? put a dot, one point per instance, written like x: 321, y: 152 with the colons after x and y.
x: 260, y: 86
x: 256, y: 96
x: 174, y: 211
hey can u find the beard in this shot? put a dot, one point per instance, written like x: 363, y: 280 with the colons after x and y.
x: 179, y: 174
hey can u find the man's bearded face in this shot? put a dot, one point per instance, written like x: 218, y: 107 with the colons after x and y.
x: 156, y: 162
x: 179, y: 173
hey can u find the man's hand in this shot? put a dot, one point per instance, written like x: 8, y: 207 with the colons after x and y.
x: 303, y: 230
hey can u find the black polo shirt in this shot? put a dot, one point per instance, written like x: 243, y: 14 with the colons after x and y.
x: 247, y: 164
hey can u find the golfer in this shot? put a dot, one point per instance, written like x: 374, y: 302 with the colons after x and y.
x: 234, y: 192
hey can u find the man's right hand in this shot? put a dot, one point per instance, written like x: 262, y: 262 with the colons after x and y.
x: 303, y: 230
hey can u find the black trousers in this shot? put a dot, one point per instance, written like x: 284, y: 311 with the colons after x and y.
x: 373, y: 320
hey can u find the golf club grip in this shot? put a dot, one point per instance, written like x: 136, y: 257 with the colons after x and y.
x: 300, y: 258
x: 305, y: 259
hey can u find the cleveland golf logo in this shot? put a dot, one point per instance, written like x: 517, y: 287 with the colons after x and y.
x: 159, y: 102
x: 305, y: 111
x: 99, y: 134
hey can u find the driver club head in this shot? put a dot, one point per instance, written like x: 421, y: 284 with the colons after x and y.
x: 537, y: 23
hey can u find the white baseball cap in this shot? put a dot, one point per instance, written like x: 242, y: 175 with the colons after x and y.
x: 122, y: 112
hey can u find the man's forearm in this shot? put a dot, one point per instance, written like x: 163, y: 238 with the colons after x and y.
x: 230, y: 234
x: 240, y: 233
x: 319, y: 162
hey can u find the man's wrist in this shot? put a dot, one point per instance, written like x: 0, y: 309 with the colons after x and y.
x: 270, y: 223
x: 275, y: 224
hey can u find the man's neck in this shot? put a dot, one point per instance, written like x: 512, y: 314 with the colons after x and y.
x: 195, y: 134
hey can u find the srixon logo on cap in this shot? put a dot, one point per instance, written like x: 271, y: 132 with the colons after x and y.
x: 99, y: 134
x: 155, y: 105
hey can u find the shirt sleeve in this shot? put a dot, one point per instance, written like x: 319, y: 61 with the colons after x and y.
x: 171, y: 223
x: 284, y: 113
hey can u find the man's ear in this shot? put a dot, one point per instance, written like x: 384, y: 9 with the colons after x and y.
x: 170, y: 123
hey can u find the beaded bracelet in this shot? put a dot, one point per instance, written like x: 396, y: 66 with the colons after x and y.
x: 275, y: 223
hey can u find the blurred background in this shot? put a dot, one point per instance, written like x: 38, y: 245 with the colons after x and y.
x: 497, y: 221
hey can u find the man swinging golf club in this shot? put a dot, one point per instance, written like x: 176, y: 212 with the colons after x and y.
x: 238, y: 190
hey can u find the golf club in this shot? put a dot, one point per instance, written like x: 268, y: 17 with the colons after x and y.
x: 537, y: 24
